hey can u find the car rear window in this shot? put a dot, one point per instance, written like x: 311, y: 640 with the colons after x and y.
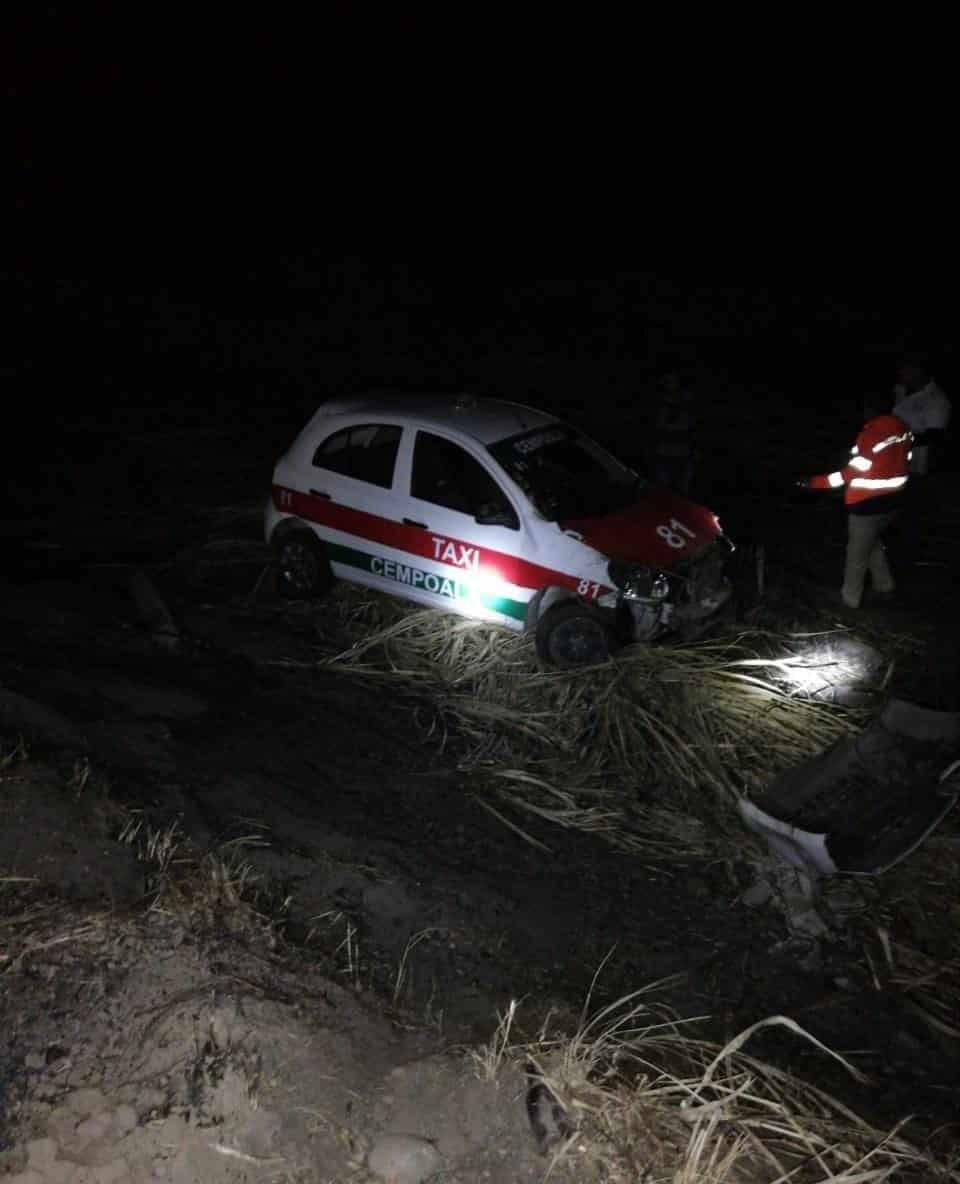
x: 365, y: 452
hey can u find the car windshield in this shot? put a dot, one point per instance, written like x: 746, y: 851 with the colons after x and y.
x: 566, y: 474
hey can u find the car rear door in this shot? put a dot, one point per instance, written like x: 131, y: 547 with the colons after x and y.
x: 346, y: 494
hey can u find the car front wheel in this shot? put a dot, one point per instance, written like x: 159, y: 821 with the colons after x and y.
x: 573, y: 634
x: 303, y: 568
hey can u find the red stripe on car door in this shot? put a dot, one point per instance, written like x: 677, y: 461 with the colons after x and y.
x: 416, y: 541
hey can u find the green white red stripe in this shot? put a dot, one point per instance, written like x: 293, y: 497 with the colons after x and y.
x: 492, y: 578
x: 412, y: 576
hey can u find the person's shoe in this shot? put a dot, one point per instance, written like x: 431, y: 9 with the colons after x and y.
x: 885, y: 597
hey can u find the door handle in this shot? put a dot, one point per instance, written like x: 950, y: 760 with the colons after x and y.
x: 413, y: 522
x: 321, y: 493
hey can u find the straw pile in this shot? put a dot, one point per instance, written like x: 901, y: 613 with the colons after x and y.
x: 640, y: 1100
x: 650, y: 750
x: 910, y: 938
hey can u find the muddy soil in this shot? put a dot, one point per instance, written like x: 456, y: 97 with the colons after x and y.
x: 389, y: 882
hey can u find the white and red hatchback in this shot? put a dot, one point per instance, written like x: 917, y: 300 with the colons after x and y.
x: 496, y: 511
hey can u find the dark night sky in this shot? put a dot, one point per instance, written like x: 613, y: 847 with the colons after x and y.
x: 120, y: 317
x: 173, y: 230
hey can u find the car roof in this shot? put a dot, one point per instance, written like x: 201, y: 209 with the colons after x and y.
x: 485, y: 420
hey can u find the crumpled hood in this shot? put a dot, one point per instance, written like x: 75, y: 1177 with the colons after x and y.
x: 659, y: 530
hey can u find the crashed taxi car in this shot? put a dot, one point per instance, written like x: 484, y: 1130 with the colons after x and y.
x: 497, y: 511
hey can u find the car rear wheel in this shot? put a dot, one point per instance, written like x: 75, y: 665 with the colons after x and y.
x: 304, y: 571
x: 574, y: 634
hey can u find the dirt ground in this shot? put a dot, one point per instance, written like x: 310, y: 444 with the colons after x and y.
x: 252, y: 921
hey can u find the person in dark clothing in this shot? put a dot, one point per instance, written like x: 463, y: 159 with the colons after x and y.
x: 924, y: 408
x: 673, y: 430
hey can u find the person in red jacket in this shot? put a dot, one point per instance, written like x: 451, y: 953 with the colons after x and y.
x: 873, y: 481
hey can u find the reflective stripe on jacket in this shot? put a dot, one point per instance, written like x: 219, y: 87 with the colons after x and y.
x: 879, y: 462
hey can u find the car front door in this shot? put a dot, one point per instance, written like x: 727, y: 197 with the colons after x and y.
x: 470, y: 533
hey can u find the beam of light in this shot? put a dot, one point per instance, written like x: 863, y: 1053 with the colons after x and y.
x: 825, y: 668
x: 486, y: 594
x: 813, y: 674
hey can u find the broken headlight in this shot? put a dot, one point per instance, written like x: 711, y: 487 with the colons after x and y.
x: 637, y: 582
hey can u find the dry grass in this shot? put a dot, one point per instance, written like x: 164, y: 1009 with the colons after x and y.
x: 650, y: 1103
x: 911, y: 937
x: 219, y: 887
x: 649, y: 751
x: 30, y: 926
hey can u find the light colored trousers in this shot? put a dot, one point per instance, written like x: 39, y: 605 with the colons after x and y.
x: 866, y: 552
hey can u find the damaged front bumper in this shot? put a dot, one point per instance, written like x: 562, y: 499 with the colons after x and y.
x: 651, y: 603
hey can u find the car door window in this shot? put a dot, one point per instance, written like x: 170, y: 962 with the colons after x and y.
x: 366, y: 452
x: 445, y: 474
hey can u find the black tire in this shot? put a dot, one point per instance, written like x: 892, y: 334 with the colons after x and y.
x: 574, y: 634
x: 303, y: 569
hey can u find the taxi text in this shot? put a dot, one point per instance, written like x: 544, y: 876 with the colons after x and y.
x: 459, y: 554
